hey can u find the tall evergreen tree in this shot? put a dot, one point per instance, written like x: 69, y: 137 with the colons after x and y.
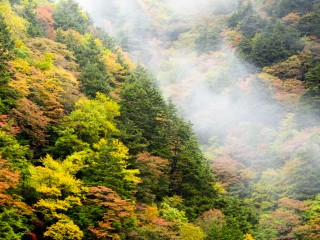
x: 160, y: 131
x: 7, y: 94
x: 68, y: 15
x: 142, y: 113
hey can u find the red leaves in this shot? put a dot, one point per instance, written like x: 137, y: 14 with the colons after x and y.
x: 32, y: 236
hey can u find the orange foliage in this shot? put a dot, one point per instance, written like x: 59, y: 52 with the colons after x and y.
x: 51, y: 83
x: 45, y: 15
x: 161, y: 222
x: 151, y: 213
x: 292, y: 204
x: 155, y: 166
x: 237, y: 147
x: 7, y: 125
x: 210, y: 217
x: 9, y: 178
x: 152, y: 171
x: 227, y: 170
x: 118, y: 211
x: 288, y: 91
x: 284, y: 222
x: 151, y: 223
x: 292, y: 18
x: 31, y: 120
x: 233, y: 36
x: 45, y: 91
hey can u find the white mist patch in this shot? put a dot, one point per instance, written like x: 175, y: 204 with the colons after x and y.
x: 192, y: 8
x: 115, y: 16
x: 215, y: 92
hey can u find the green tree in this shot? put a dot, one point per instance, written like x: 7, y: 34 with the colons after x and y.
x: 245, y: 9
x: 12, y: 150
x: 35, y: 28
x: 7, y: 94
x: 251, y: 25
x: 309, y: 24
x: 94, y: 80
x: 283, y: 7
x: 208, y: 39
x: 142, y: 113
x: 108, y: 167
x: 158, y: 129
x: 311, y: 99
x: 13, y: 225
x: 215, y: 225
x: 275, y: 43
x: 68, y: 15
x: 92, y: 120
x: 94, y: 76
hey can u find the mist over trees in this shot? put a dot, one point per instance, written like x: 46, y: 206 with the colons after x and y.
x: 159, y: 119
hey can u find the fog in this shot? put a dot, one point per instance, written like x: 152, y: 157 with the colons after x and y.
x: 216, y: 90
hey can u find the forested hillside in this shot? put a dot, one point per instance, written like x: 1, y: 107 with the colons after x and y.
x: 246, y: 74
x: 93, y: 138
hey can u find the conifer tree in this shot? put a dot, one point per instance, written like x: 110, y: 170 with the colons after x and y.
x: 161, y: 132
x: 7, y: 94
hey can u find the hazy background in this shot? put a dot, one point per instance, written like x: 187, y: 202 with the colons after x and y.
x: 215, y: 90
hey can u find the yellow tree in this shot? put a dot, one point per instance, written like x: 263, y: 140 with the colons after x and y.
x: 91, y: 128
x: 16, y: 24
x: 189, y: 231
x: 59, y: 191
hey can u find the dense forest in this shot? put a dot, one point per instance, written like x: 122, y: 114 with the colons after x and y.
x: 146, y: 119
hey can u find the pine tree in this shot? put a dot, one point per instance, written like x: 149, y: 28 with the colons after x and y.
x: 7, y: 94
x: 68, y: 15
x: 160, y: 131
